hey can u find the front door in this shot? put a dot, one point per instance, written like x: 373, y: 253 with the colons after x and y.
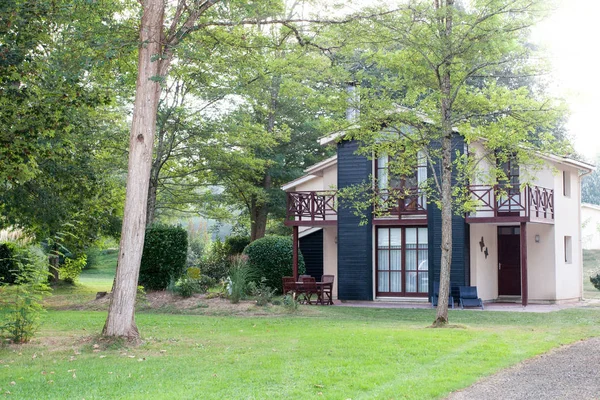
x: 509, y: 261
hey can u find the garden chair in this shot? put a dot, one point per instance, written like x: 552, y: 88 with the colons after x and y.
x: 289, y: 284
x: 327, y: 288
x: 436, y: 294
x: 468, y: 297
x: 310, y: 288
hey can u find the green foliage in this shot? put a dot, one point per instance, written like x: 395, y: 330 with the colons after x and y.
x: 193, y: 282
x: 215, y: 262
x: 261, y: 292
x: 164, y: 256
x: 240, y: 276
x: 8, y: 267
x: 590, y: 186
x: 290, y: 303
x: 70, y: 270
x: 595, y: 281
x: 271, y: 257
x: 21, y: 303
x: 236, y: 244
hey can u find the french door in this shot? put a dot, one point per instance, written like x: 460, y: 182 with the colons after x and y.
x: 402, y: 262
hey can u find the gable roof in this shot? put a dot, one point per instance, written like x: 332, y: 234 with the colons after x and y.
x: 312, y: 172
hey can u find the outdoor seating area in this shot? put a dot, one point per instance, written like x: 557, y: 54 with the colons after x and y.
x: 307, y: 290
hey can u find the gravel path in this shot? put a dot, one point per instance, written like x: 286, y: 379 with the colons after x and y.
x: 570, y: 372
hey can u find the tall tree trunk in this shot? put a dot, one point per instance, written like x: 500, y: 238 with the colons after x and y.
x: 259, y: 211
x: 120, y: 320
x: 446, y: 178
x: 151, y: 206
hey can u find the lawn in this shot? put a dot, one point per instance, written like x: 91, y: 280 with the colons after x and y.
x: 318, y: 352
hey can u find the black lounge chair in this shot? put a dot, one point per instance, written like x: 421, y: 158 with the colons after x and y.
x: 436, y: 294
x: 468, y: 297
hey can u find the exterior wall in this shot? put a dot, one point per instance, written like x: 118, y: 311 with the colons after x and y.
x: 355, y: 265
x: 590, y: 226
x: 484, y: 271
x: 330, y: 259
x: 541, y: 256
x: 567, y: 222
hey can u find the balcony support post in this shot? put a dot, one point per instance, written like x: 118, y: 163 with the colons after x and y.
x: 524, y: 292
x: 295, y: 252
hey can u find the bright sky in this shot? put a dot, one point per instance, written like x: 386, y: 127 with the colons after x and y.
x: 571, y: 36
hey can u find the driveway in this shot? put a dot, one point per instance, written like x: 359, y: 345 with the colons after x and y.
x: 569, y: 372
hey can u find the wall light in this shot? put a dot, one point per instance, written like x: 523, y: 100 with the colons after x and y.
x: 537, y: 238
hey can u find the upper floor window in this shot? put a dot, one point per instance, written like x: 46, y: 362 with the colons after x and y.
x: 512, y: 182
x: 566, y: 184
x: 386, y: 180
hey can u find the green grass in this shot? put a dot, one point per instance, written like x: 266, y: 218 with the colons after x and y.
x: 591, y: 266
x: 319, y: 353
x: 337, y: 353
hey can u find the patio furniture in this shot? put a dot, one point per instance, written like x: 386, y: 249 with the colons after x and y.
x: 436, y: 294
x: 304, y: 276
x: 468, y: 297
x: 327, y: 288
x: 289, y: 284
x: 310, y: 288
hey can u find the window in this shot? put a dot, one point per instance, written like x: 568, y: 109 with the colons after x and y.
x: 387, y: 181
x: 568, y: 250
x: 402, y: 262
x: 566, y: 184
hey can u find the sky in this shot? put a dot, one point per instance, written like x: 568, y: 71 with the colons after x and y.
x: 571, y: 37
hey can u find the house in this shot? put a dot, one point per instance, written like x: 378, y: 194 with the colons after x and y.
x: 590, y: 226
x: 518, y: 245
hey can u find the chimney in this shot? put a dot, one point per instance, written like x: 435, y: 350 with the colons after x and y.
x: 352, y: 112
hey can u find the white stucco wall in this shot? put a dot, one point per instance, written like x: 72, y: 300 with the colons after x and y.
x: 567, y: 222
x: 484, y: 271
x: 541, y: 277
x: 590, y: 226
x: 330, y: 255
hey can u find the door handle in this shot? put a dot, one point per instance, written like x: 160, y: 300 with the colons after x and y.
x: 499, y: 266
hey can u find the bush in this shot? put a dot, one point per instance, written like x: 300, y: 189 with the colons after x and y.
x: 215, y: 263
x: 193, y: 282
x: 240, y: 275
x: 8, y: 267
x: 21, y: 304
x: 164, y: 256
x: 271, y: 257
x: 261, y: 292
x: 71, y: 269
x: 236, y: 244
x: 595, y: 281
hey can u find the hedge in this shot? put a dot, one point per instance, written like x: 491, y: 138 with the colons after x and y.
x: 271, y: 258
x: 164, y: 256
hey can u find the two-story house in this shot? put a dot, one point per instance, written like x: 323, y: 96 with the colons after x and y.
x: 519, y: 245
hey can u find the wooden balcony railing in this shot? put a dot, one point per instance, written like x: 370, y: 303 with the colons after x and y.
x: 401, y: 202
x: 311, y: 208
x: 498, y: 203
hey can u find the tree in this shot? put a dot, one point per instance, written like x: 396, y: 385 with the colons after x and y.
x: 590, y: 186
x: 440, y: 64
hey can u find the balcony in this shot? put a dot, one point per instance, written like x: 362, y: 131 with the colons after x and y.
x: 399, y: 206
x: 497, y: 204
x: 314, y: 208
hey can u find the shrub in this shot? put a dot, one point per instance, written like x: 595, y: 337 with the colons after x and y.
x: 8, y: 267
x: 261, y: 292
x: 236, y: 244
x: 71, y: 269
x: 193, y: 282
x: 215, y: 263
x: 21, y: 304
x: 240, y: 275
x: 164, y: 256
x: 271, y: 257
x: 595, y: 281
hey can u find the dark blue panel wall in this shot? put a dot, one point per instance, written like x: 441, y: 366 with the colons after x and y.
x: 460, y: 268
x: 355, y: 266
x: 311, y: 247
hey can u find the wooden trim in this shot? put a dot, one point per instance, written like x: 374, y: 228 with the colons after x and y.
x: 487, y: 220
x: 295, y: 252
x: 400, y: 222
x: 330, y: 222
x: 524, y: 292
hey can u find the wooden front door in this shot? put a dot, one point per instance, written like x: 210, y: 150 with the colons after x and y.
x: 509, y: 261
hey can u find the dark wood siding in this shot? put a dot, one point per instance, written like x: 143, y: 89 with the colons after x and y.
x: 311, y: 247
x: 459, y: 269
x: 355, y: 242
